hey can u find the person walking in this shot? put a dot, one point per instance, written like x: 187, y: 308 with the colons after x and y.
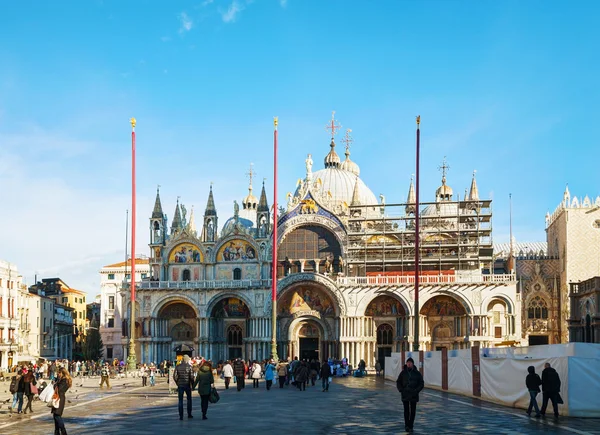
x: 325, y: 375
x: 152, y: 372
x: 377, y: 368
x: 28, y: 391
x: 533, y: 382
x: 409, y: 384
x: 239, y: 371
x: 282, y: 369
x: 184, y: 380
x: 144, y: 374
x: 15, y: 383
x: 269, y: 374
x: 301, y: 376
x: 256, y: 373
x: 105, y: 376
x: 227, y: 374
x: 550, y: 389
x: 313, y: 371
x: 62, y: 384
x: 21, y: 389
x: 204, y: 382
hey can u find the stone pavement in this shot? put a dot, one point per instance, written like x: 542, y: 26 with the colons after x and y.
x: 352, y: 406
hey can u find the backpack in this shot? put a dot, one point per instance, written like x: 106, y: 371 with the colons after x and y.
x: 13, y: 385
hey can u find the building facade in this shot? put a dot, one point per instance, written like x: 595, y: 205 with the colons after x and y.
x: 584, y: 322
x: 573, y: 235
x: 10, y: 285
x: 114, y: 283
x: 345, y: 275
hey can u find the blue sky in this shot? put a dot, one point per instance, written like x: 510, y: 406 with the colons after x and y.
x: 505, y: 88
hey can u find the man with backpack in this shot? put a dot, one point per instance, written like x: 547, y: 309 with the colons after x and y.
x: 17, y: 392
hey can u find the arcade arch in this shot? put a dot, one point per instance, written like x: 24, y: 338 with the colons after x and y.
x: 390, y: 317
x: 446, y: 322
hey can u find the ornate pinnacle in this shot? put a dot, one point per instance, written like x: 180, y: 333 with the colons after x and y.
x: 132, y: 121
x: 418, y: 120
x: 275, y: 121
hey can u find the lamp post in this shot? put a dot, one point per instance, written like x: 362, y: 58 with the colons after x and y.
x: 274, y: 260
x: 417, y: 252
x: 131, y: 358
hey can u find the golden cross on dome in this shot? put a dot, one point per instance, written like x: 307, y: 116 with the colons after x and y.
x: 444, y: 168
x: 251, y: 174
x: 332, y: 125
x: 348, y: 139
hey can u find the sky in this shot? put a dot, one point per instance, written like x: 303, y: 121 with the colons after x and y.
x: 508, y: 89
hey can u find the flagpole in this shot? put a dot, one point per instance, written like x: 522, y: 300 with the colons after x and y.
x: 274, y: 260
x: 131, y: 357
x: 417, y: 249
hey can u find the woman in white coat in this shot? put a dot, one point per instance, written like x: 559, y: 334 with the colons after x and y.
x: 256, y: 373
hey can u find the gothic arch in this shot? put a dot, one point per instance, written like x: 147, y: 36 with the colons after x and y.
x: 324, y: 283
x: 229, y: 238
x: 458, y: 297
x: 179, y: 298
x: 185, y: 240
x: 510, y: 306
x: 364, y: 302
x: 338, y: 231
x: 291, y: 328
x: 210, y: 306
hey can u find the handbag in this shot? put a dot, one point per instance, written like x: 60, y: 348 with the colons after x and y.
x: 559, y: 399
x: 329, y: 379
x: 46, y: 394
x: 33, y: 389
x: 213, y: 396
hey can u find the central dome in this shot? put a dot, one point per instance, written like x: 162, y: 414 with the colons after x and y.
x: 338, y: 186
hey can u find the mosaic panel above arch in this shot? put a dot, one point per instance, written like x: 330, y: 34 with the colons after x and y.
x: 231, y: 307
x: 306, y: 299
x: 236, y: 250
x: 186, y: 253
x: 385, y: 306
x: 443, y: 306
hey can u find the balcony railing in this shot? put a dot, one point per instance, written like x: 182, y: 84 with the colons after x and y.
x: 426, y: 279
x: 212, y: 284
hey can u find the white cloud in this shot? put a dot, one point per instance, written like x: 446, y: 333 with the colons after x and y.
x: 232, y: 12
x: 186, y: 23
x: 207, y: 2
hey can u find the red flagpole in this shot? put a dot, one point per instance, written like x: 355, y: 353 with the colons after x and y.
x: 274, y: 260
x: 417, y: 243
x: 131, y: 358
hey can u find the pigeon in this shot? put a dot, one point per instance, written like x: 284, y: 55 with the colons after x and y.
x: 146, y: 396
x: 68, y: 401
x: 77, y: 397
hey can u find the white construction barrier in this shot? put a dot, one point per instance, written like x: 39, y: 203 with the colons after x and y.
x: 433, y: 369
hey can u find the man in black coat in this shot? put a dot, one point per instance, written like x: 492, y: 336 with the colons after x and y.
x: 550, y: 389
x: 184, y: 379
x: 409, y: 384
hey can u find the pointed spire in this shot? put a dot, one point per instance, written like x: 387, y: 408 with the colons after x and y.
x: 192, y: 222
x: 211, y: 210
x: 567, y: 197
x: 412, y: 197
x: 157, y: 213
x: 356, y: 193
x: 176, y: 225
x: 474, y: 192
x: 262, y: 203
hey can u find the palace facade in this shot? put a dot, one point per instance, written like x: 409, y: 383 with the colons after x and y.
x: 346, y: 275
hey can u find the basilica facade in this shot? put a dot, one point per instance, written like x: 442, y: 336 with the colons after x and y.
x: 346, y: 267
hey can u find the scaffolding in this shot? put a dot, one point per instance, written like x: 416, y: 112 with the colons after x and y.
x: 456, y: 238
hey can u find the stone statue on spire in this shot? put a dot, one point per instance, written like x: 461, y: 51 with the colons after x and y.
x: 309, y: 164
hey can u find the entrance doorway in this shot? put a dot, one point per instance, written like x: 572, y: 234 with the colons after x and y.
x: 536, y: 340
x: 382, y: 352
x: 309, y: 348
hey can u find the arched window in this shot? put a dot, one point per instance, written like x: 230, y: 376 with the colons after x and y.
x: 537, y: 309
x: 186, y: 275
x: 182, y: 331
x: 234, y: 335
x: 385, y: 335
x: 237, y: 273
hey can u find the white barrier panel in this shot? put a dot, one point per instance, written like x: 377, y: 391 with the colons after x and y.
x: 583, y: 387
x: 433, y: 369
x: 460, y: 372
x: 503, y: 380
x: 393, y: 367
